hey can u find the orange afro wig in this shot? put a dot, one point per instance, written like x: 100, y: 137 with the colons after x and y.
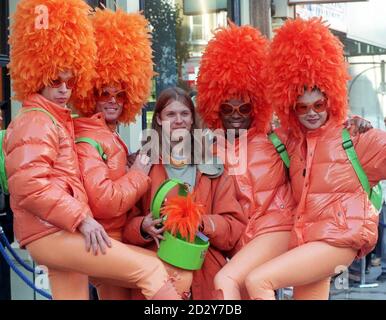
x: 305, y: 55
x: 231, y: 67
x: 47, y: 37
x: 124, y: 58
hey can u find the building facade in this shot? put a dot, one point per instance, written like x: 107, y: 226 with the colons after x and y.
x: 182, y: 29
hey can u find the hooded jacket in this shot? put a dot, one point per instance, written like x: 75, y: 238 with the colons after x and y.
x: 223, y: 222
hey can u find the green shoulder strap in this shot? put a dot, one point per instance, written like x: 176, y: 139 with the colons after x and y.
x: 280, y: 148
x: 40, y: 110
x: 3, y: 176
x: 95, y: 144
x: 375, y: 193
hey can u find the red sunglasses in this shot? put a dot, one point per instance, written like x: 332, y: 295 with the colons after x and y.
x: 243, y: 109
x: 119, y: 97
x: 318, y: 106
x: 56, y: 83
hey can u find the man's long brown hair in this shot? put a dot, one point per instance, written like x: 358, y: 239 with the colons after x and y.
x: 166, y: 97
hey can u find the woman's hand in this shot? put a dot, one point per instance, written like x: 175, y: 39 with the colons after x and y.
x: 95, y: 235
x: 142, y: 163
x: 357, y: 125
x: 149, y: 227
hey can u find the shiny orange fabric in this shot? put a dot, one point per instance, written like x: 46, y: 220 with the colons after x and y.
x: 332, y: 205
x: 223, y: 222
x: 263, y: 191
x: 45, y: 185
x: 112, y: 188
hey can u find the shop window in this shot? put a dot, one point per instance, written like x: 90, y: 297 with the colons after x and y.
x: 96, y: 3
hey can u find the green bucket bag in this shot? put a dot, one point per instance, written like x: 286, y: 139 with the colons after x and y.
x: 176, y: 250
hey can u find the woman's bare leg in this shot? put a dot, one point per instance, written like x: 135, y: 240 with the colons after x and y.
x: 304, y: 265
x: 230, y: 279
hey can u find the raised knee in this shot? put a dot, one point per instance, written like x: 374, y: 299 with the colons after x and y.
x: 219, y: 278
x: 257, y: 284
x: 223, y: 277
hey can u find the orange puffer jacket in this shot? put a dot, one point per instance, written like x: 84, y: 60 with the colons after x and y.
x: 332, y: 205
x: 112, y: 188
x: 45, y: 185
x: 264, y: 191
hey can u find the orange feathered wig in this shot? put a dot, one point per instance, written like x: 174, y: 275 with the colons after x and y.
x: 124, y: 58
x: 306, y: 55
x: 231, y: 67
x: 47, y: 37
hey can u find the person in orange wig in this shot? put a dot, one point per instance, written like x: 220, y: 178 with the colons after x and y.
x: 334, y: 220
x: 231, y: 95
x: 121, y: 87
x: 52, y: 62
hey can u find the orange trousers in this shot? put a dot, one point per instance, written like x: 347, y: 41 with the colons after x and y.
x: 231, y: 278
x: 307, y: 268
x: 110, y: 290
x: 69, y: 266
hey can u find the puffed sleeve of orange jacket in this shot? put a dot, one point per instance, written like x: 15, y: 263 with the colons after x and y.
x: 31, y: 152
x: 226, y: 223
x: 108, y: 198
x: 371, y: 149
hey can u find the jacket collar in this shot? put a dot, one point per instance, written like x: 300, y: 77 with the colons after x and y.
x: 95, y: 122
x: 38, y: 101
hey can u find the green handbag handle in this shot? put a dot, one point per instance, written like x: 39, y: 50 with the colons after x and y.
x: 163, y: 191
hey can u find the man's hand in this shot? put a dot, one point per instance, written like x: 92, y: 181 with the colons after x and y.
x: 95, y: 235
x: 142, y: 163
